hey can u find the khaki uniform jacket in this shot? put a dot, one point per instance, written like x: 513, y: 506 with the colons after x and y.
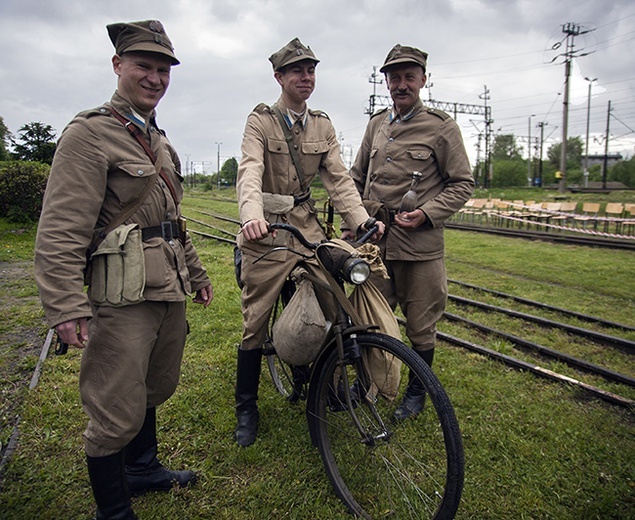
x: 98, y: 169
x: 429, y: 142
x: 266, y: 167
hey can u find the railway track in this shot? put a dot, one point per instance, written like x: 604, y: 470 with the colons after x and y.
x: 586, y: 240
x: 617, y: 338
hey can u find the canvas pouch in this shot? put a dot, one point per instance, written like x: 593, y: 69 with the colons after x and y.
x: 117, y: 274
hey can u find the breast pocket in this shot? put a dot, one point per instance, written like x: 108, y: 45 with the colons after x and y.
x: 312, y: 155
x: 128, y: 179
x: 420, y: 159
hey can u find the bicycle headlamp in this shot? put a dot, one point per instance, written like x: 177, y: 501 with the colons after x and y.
x: 356, y: 270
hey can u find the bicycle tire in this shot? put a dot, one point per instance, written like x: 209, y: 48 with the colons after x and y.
x: 280, y: 372
x: 281, y: 375
x: 408, y: 469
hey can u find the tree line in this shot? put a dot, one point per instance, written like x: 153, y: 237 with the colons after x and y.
x: 510, y: 169
x: 35, y: 142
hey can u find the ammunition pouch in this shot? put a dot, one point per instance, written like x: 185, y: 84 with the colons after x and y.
x: 117, y: 273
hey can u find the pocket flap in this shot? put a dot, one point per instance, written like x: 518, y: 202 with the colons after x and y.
x: 419, y: 154
x: 277, y: 146
x: 317, y: 147
x: 114, y: 241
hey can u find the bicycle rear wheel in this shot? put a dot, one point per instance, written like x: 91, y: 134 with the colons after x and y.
x: 281, y: 373
x: 380, y: 467
x: 285, y: 378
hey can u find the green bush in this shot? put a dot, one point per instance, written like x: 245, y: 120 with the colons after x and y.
x: 22, y: 186
x: 509, y: 174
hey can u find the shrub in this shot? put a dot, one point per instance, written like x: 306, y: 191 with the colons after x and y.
x: 509, y: 174
x: 22, y: 186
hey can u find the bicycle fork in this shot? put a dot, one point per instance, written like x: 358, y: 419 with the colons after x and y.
x: 355, y: 356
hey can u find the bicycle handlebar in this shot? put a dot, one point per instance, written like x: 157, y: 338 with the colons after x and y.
x: 296, y: 233
x: 370, y: 224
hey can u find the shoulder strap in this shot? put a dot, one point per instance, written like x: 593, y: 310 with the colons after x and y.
x: 290, y: 144
x: 134, y: 132
x: 127, y: 212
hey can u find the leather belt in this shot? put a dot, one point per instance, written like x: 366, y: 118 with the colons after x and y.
x: 299, y: 199
x: 167, y: 230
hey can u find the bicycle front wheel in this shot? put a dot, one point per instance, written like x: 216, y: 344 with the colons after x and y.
x: 382, y: 467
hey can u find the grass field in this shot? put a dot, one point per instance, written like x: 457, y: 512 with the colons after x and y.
x: 534, y: 449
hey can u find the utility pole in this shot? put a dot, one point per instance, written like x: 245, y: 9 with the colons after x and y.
x: 530, y: 177
x: 488, y: 136
x: 606, y: 148
x: 218, y: 163
x: 571, y: 30
x: 588, y: 118
x: 542, y: 139
x: 429, y: 86
x: 372, y: 101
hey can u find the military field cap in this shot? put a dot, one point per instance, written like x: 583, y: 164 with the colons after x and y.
x: 147, y: 35
x: 292, y: 52
x: 402, y: 54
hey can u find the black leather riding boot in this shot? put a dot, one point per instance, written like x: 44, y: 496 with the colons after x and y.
x: 144, y: 472
x: 415, y: 396
x: 247, y: 380
x: 108, y: 481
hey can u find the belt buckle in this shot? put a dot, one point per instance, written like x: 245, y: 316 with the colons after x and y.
x: 166, y: 230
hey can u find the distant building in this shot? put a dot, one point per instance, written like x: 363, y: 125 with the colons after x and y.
x: 611, y: 159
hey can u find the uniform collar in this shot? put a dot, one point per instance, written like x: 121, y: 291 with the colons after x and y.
x: 290, y: 117
x: 132, y: 113
x: 394, y: 115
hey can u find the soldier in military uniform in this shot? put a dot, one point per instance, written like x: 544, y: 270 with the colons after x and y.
x: 414, y: 150
x: 272, y: 189
x: 132, y: 353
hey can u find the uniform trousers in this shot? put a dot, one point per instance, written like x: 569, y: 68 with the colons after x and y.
x: 420, y: 288
x: 131, y: 362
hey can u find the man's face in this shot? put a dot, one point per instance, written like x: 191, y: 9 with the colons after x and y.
x: 143, y: 77
x: 297, y: 80
x: 404, y: 83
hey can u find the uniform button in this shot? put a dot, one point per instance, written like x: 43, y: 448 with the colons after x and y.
x: 139, y: 172
x: 388, y: 159
x: 295, y: 178
x: 391, y: 139
x: 297, y: 131
x: 315, y: 149
x: 102, y: 110
x: 279, y: 148
x: 171, y: 242
x: 295, y: 146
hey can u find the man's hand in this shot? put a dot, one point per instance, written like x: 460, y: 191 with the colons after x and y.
x: 381, y: 229
x: 256, y: 229
x: 410, y: 219
x: 347, y: 234
x: 73, y: 332
x: 204, y: 296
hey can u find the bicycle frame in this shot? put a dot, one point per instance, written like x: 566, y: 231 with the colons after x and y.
x: 376, y: 461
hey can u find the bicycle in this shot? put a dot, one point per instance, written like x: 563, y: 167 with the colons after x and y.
x: 379, y: 467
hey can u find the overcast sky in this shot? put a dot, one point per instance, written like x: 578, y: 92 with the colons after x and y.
x: 56, y: 62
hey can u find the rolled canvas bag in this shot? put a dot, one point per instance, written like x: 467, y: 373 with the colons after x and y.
x: 385, y: 369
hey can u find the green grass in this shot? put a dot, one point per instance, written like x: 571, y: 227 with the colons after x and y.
x: 534, y: 449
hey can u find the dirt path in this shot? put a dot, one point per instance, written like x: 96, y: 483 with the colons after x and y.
x: 21, y: 342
